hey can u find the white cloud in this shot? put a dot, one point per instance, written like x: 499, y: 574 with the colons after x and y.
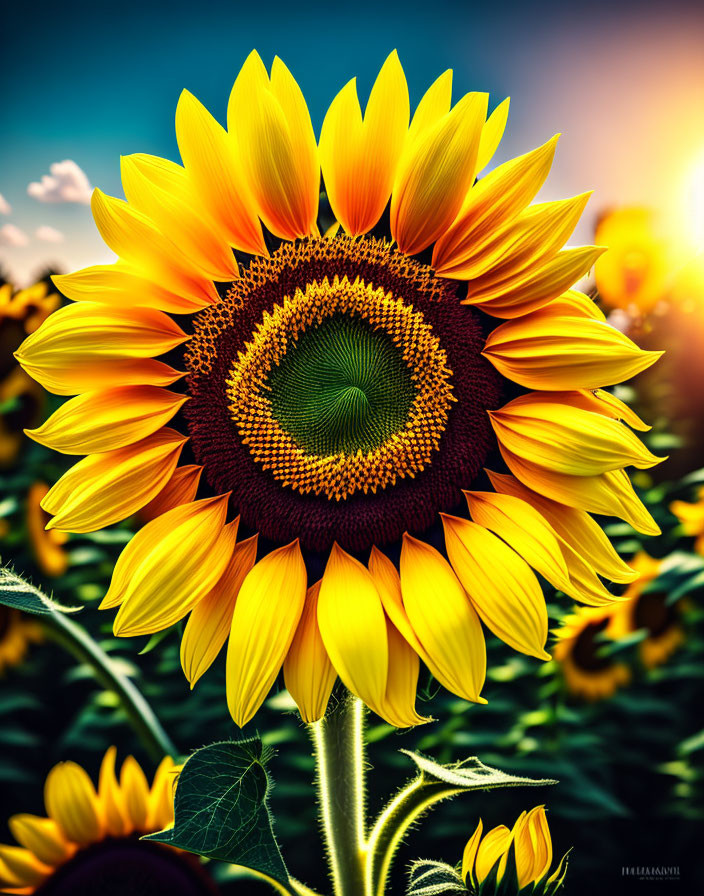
x: 49, y: 234
x: 67, y: 182
x: 5, y: 207
x: 13, y: 236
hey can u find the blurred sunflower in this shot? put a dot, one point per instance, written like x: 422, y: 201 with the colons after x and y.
x: 588, y: 671
x: 89, y: 843
x: 635, y: 273
x: 528, y: 843
x: 17, y: 632
x: 691, y: 517
x: 21, y: 397
x: 341, y: 390
x: 46, y: 545
x: 649, y: 611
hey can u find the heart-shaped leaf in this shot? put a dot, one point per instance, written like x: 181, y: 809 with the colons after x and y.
x: 221, y: 811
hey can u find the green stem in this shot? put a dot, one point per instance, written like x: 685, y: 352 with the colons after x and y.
x: 78, y: 642
x: 339, y: 751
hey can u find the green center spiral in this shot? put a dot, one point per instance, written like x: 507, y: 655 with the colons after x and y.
x: 341, y: 387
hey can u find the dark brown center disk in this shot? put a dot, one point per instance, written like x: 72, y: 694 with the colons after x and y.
x: 279, y: 512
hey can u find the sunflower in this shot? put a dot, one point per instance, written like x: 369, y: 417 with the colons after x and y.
x: 589, y: 672
x: 17, y: 632
x: 21, y: 397
x: 634, y: 275
x: 345, y: 381
x: 691, y: 517
x: 89, y: 843
x: 532, y: 852
x: 649, y: 610
x: 47, y: 546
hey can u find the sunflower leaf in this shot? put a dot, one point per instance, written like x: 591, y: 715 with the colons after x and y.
x: 221, y: 811
x: 429, y: 878
x: 470, y: 774
x: 19, y: 594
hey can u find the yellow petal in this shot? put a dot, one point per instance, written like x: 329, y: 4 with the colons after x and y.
x: 210, y: 157
x: 435, y: 172
x: 434, y: 105
x: 399, y: 704
x: 41, y: 836
x: 161, y: 796
x: 168, y: 566
x: 578, y: 530
x: 163, y: 192
x: 610, y: 494
x: 547, y: 351
x: 548, y: 432
x: 24, y: 866
x: 210, y: 620
x: 353, y: 627
x: 492, y: 132
x: 522, y: 527
x: 267, y: 611
x: 106, y: 488
x: 388, y: 584
x: 573, y: 303
x: 533, y: 287
x: 533, y: 846
x: 491, y: 849
x: 269, y: 119
x: 470, y: 854
x: 65, y: 356
x: 606, y: 403
x: 117, y: 820
x: 96, y: 422
x: 308, y: 673
x: 443, y: 619
x: 359, y: 157
x: 491, y: 203
x: 71, y: 800
x: 534, y: 237
x: 501, y: 586
x: 135, y: 239
x: 180, y: 489
x: 122, y: 286
x: 135, y: 793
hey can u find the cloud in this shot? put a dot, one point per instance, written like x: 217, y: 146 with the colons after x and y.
x: 66, y: 183
x: 13, y: 236
x: 49, y: 234
x: 5, y: 207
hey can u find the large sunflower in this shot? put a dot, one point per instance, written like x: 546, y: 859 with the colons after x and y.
x: 89, y: 841
x: 345, y: 381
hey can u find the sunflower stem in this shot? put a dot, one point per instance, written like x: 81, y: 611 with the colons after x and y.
x: 76, y: 640
x: 338, y: 739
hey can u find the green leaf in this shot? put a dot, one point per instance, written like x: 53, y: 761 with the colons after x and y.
x: 471, y: 774
x: 17, y: 593
x: 429, y: 878
x: 221, y: 809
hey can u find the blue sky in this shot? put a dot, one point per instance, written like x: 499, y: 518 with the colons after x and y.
x: 91, y: 81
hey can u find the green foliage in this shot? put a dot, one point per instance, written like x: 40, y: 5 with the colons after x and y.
x: 470, y: 774
x: 429, y: 878
x: 19, y: 594
x: 221, y: 810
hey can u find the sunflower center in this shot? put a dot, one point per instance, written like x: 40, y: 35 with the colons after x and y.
x: 587, y: 654
x: 115, y: 867
x: 338, y: 391
x: 342, y: 387
x: 653, y: 613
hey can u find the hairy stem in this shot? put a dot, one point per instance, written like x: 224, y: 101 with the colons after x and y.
x: 79, y: 643
x: 339, y: 751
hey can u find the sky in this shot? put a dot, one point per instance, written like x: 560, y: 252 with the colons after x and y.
x: 83, y: 83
